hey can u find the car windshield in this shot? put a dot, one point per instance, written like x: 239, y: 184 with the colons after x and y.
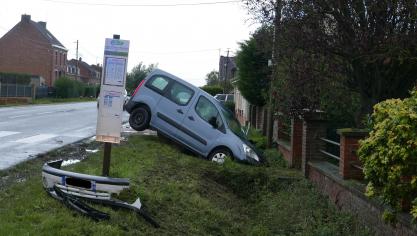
x: 232, y: 122
x: 220, y: 97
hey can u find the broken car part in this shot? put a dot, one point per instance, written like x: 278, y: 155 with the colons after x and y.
x: 71, y: 187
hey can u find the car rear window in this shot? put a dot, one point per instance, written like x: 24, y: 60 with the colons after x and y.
x: 158, y: 83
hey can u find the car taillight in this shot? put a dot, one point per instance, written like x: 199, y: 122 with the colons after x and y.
x: 136, y: 90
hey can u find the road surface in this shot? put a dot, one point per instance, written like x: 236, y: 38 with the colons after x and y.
x: 26, y: 131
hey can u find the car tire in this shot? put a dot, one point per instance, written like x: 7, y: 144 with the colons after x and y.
x: 219, y: 155
x: 139, y: 118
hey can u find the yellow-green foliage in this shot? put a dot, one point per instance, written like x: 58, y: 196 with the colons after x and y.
x: 389, y: 154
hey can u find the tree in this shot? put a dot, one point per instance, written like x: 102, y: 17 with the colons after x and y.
x: 212, y: 78
x: 138, y: 73
x: 252, y: 63
x: 368, y: 48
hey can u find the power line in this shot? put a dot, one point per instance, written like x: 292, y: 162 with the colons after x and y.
x: 142, y: 5
x: 177, y: 52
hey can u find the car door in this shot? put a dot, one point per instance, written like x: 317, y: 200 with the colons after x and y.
x: 172, y: 108
x: 205, y: 124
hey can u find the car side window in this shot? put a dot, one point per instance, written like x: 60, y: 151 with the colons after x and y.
x: 158, y: 83
x: 208, y: 112
x: 180, y: 94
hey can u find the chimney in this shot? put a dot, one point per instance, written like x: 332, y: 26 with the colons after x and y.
x: 25, y: 18
x: 43, y: 24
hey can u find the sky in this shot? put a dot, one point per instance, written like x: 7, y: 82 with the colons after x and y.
x: 184, y: 37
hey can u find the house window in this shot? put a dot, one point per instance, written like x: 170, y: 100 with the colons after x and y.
x: 56, y: 57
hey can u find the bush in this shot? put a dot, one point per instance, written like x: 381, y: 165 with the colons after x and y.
x: 257, y: 138
x: 91, y: 91
x: 212, y: 89
x: 68, y: 88
x: 389, y: 154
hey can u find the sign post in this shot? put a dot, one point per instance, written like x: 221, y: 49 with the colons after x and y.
x: 113, y: 81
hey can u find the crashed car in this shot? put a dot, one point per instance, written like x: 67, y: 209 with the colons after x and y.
x: 189, y: 116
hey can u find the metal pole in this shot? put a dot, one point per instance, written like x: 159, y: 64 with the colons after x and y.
x: 76, y: 65
x: 271, y: 107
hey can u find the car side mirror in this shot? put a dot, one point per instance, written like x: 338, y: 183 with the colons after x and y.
x: 213, y: 122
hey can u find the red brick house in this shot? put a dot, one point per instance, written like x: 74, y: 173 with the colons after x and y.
x: 29, y: 48
x: 82, y: 71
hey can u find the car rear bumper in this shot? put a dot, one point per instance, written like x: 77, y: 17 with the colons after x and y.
x: 129, y: 106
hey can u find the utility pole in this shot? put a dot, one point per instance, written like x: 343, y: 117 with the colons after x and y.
x: 225, y: 71
x: 76, y: 66
x: 271, y: 108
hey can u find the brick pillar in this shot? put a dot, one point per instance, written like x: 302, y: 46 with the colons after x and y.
x: 349, y: 143
x: 313, y: 129
x: 296, y: 142
x: 280, y: 127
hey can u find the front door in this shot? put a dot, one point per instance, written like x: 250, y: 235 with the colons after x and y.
x: 172, y: 108
x: 203, y: 120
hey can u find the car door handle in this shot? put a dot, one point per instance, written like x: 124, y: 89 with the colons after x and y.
x: 180, y: 111
x: 191, y: 118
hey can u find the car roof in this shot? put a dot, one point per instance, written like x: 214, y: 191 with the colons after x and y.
x: 162, y: 72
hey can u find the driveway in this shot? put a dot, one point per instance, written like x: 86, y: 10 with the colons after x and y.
x: 26, y: 131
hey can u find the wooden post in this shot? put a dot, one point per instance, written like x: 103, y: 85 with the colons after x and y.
x: 106, y: 159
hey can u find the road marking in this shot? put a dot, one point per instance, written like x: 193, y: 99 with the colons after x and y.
x: 7, y: 133
x: 47, y: 112
x: 36, y: 138
x: 12, y: 117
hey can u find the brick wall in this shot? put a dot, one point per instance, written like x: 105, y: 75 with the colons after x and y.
x: 296, y: 142
x: 349, y: 161
x: 313, y: 129
x: 351, y: 199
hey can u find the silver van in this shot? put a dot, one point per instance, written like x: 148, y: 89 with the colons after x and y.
x: 189, y: 116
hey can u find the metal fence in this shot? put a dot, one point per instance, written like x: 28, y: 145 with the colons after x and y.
x: 15, y: 90
x: 328, y: 153
x: 42, y: 92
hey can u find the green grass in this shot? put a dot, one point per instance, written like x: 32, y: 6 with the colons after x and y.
x: 185, y: 194
x: 61, y: 100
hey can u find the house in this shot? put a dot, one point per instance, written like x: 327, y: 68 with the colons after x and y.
x: 29, y: 48
x: 82, y: 71
x: 227, y: 71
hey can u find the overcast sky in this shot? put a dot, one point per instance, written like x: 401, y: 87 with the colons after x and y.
x: 185, y: 40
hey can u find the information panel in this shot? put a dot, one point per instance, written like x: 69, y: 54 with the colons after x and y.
x: 113, y: 80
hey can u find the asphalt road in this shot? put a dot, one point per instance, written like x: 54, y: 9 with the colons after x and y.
x: 26, y: 131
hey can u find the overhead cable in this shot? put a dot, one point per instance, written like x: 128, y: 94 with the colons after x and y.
x: 142, y: 5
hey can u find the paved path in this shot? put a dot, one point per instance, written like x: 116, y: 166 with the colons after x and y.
x: 26, y: 131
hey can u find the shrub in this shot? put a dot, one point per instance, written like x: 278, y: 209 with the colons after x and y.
x: 90, y: 91
x: 389, y: 154
x: 68, y: 88
x: 257, y: 138
x: 212, y: 89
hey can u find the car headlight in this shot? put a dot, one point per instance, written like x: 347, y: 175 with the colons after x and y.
x: 249, y: 152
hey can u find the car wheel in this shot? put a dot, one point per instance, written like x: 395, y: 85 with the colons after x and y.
x: 219, y: 155
x: 139, y: 119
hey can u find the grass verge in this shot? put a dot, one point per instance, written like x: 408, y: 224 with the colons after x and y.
x: 61, y: 100
x: 185, y: 194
